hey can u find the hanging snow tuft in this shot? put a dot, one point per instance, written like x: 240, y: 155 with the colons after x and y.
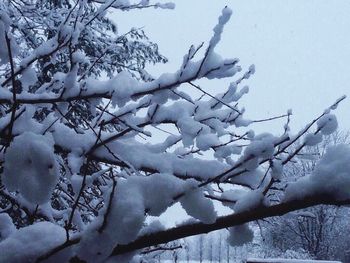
x: 6, y: 226
x: 165, y: 5
x: 313, y: 139
x: 30, y: 167
x: 327, y: 124
x: 199, y: 207
x: 240, y: 235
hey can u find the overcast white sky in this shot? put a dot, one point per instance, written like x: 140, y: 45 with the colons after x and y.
x: 301, y: 50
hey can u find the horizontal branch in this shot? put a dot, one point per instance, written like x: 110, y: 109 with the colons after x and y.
x: 106, y: 93
x: 31, y: 98
x: 187, y: 230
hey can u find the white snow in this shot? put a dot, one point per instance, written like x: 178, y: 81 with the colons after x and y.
x: 261, y: 146
x: 133, y: 198
x: 6, y: 226
x: 249, y: 200
x: 312, y: 139
x: 327, y: 124
x: 198, y: 206
x: 284, y: 260
x: 240, y: 235
x: 143, y: 157
x: 233, y: 196
x: 165, y: 5
x: 150, y: 174
x: 25, y: 244
x: 206, y: 141
x: 28, y: 78
x: 34, y: 172
x: 331, y: 176
x: 276, y: 170
x: 123, y: 86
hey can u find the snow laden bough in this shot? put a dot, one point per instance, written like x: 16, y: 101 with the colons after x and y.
x: 85, y: 162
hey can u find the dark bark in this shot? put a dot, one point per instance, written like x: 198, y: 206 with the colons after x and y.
x: 224, y: 222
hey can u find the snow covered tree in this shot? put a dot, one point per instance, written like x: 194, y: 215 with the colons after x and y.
x: 210, y: 249
x: 228, y: 256
x: 201, y: 248
x: 82, y: 161
x: 321, y: 230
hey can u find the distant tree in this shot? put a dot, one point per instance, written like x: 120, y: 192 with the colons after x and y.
x: 201, y: 248
x: 219, y: 247
x: 187, y: 251
x: 319, y: 230
x: 210, y: 249
x: 91, y: 145
x: 228, y: 252
x: 175, y: 256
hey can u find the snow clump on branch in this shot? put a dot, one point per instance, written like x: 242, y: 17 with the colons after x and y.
x: 30, y: 167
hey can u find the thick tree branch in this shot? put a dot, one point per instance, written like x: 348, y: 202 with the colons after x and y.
x: 224, y: 222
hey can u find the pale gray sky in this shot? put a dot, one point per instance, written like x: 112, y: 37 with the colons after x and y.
x: 301, y: 50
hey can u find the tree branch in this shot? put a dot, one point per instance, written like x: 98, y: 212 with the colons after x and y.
x: 224, y: 222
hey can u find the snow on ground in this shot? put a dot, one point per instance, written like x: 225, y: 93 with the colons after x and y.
x: 257, y: 260
x: 281, y: 260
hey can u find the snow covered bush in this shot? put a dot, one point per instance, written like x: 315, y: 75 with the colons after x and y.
x: 82, y: 161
